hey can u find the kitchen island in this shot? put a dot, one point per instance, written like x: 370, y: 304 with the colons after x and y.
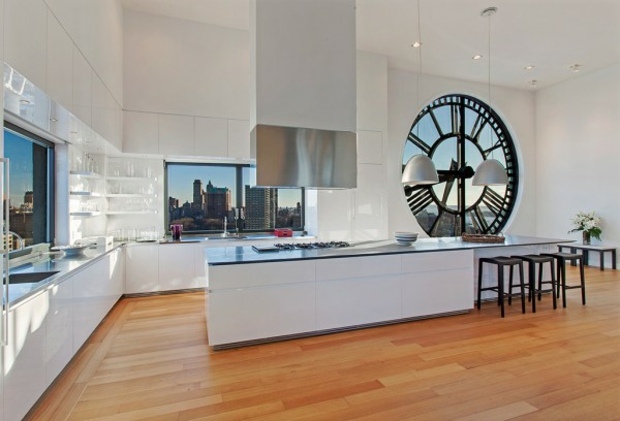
x: 261, y: 297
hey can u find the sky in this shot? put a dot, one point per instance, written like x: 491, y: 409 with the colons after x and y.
x: 19, y: 151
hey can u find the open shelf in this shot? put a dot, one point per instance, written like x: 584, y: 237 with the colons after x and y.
x: 144, y: 212
x: 85, y: 214
x: 85, y: 194
x: 85, y: 174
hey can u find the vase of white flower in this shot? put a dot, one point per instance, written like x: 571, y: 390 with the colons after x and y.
x: 585, y: 238
x: 589, y: 224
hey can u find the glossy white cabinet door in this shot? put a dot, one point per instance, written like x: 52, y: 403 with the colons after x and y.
x: 142, y: 268
x: 176, y: 135
x: 58, y: 330
x: 89, y: 300
x: 59, y: 62
x: 211, y: 137
x: 251, y: 313
x: 24, y: 357
x: 117, y: 275
x: 176, y: 266
x: 82, y: 90
x: 140, y: 132
x: 239, y: 139
x: 200, y: 277
x: 25, y: 46
x: 428, y: 293
x: 352, y: 302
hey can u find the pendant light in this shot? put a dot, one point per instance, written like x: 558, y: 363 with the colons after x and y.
x: 419, y: 169
x: 490, y: 172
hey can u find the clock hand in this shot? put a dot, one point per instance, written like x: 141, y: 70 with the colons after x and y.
x: 449, y: 182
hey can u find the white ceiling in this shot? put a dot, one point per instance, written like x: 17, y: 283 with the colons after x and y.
x: 549, y: 34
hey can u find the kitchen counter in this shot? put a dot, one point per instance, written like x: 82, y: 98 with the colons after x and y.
x: 245, y: 254
x: 269, y: 296
x: 61, y: 264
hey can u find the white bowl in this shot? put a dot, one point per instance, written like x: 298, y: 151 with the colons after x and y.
x: 401, y: 234
x: 404, y: 242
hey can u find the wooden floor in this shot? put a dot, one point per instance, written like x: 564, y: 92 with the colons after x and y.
x: 149, y: 360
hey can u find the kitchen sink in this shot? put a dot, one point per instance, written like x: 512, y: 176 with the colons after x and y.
x: 30, y: 277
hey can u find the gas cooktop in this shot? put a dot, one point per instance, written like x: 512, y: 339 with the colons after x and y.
x: 307, y: 246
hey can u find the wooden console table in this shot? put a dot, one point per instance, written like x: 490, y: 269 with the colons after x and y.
x: 586, y: 249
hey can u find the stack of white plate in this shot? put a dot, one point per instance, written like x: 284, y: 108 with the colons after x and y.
x: 405, y: 238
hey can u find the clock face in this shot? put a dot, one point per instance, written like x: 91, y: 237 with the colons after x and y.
x: 458, y: 132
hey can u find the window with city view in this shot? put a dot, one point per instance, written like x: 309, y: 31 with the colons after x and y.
x: 202, y: 196
x: 30, y: 169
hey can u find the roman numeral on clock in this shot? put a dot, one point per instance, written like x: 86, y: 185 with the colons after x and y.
x: 419, y: 143
x: 419, y: 200
x: 493, y: 200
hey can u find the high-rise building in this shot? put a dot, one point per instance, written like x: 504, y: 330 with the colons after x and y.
x: 261, y: 205
x: 218, y: 201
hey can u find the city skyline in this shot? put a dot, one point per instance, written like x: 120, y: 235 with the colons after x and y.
x: 181, y: 177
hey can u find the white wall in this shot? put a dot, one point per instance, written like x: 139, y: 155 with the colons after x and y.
x: 577, y: 126
x: 175, y: 66
x: 516, y: 107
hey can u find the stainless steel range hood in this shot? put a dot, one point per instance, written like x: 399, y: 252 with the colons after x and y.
x: 303, y: 55
x: 299, y: 157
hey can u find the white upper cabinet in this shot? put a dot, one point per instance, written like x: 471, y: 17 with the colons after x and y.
x: 140, y: 132
x: 59, y: 62
x: 1, y: 56
x: 239, y: 139
x: 210, y: 136
x: 82, y: 90
x: 100, y: 122
x: 176, y: 135
x: 105, y: 113
x: 25, y: 32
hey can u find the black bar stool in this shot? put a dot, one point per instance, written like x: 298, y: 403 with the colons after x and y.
x: 501, y: 262
x: 533, y: 260
x: 562, y: 259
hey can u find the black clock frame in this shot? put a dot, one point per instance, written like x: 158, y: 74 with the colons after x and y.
x: 419, y: 197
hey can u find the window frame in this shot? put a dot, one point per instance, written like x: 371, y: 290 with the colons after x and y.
x: 239, y: 197
x: 50, y: 214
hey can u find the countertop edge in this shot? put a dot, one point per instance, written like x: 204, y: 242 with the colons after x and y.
x: 234, y: 255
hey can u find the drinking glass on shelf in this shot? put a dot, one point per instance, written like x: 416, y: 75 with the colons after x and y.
x: 130, y: 169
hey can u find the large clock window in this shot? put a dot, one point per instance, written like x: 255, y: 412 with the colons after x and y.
x: 458, y: 132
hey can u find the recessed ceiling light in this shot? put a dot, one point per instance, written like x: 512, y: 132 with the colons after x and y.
x: 533, y: 83
x: 477, y: 57
x: 416, y: 44
x: 24, y: 101
x: 53, y: 120
x: 575, y: 67
x: 530, y: 67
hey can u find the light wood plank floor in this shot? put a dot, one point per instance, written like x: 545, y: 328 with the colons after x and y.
x: 149, y: 360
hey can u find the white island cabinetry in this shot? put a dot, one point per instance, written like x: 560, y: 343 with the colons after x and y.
x: 278, y: 298
x: 433, y: 282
